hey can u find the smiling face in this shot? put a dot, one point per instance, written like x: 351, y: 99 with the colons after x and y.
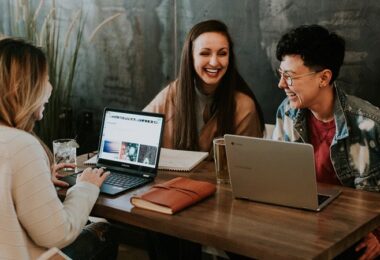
x: 211, y: 57
x: 305, y: 90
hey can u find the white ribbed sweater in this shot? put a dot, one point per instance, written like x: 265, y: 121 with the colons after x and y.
x: 32, y: 218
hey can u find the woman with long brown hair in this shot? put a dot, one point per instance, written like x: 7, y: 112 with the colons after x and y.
x: 32, y: 216
x: 209, y: 98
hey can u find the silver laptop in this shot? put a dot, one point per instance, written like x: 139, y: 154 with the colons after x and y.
x: 275, y: 172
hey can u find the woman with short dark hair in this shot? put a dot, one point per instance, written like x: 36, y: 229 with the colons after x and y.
x: 344, y: 130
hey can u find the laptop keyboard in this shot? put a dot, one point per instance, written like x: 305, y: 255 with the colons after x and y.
x: 125, y: 181
x: 322, y: 198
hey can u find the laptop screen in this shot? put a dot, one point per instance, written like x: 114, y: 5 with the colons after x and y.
x: 130, y: 139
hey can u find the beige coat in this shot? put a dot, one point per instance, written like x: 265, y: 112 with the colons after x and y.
x: 246, y: 118
x: 32, y: 218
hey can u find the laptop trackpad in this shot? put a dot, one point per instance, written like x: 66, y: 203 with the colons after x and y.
x: 105, y: 188
x: 111, y: 189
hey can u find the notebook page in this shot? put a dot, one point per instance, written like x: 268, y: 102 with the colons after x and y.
x: 180, y: 160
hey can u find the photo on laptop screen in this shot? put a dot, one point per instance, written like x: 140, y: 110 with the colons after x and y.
x: 131, y: 138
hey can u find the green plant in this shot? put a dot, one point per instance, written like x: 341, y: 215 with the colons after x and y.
x: 62, y: 53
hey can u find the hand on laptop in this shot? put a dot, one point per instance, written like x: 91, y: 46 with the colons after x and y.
x: 95, y: 176
x: 56, y: 173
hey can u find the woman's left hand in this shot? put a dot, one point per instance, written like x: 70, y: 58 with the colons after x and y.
x: 55, y: 175
x: 372, y: 247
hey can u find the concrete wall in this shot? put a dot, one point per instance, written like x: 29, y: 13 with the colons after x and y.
x: 136, y: 55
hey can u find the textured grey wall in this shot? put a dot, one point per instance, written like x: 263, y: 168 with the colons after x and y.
x: 129, y: 58
x: 137, y: 54
x: 356, y: 21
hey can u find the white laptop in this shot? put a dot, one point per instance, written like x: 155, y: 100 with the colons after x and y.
x: 275, y: 172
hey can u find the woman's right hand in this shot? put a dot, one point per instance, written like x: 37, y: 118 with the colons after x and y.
x: 95, y: 176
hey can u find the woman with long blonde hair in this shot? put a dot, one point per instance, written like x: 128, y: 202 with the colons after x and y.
x: 32, y: 218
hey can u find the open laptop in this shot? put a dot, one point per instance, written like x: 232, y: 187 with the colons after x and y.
x: 281, y: 173
x: 129, y: 147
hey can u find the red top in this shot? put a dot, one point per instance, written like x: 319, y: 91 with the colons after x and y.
x: 321, y: 136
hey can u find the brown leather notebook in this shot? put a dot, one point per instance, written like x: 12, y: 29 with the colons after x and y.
x: 174, y: 195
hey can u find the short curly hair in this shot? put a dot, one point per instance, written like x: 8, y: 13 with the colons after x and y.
x: 318, y: 48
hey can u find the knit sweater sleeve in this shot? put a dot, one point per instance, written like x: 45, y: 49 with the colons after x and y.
x: 47, y: 221
x: 247, y: 120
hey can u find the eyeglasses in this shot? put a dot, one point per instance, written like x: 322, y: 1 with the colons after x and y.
x: 289, y: 79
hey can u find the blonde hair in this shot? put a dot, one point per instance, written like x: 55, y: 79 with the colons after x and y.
x: 23, y: 84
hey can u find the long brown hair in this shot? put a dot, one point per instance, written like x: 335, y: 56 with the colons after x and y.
x: 223, y: 105
x: 23, y: 84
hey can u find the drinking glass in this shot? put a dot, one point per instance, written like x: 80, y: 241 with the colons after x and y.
x: 65, y: 151
x: 220, y: 159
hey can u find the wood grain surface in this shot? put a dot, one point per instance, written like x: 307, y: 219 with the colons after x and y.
x: 253, y: 229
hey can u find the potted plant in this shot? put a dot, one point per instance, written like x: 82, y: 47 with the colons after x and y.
x: 62, y: 48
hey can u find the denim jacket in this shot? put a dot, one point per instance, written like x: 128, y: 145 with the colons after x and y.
x: 355, y: 149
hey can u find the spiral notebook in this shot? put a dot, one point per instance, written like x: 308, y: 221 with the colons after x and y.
x: 172, y: 160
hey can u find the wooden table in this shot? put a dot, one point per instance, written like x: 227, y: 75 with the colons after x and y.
x: 254, y: 229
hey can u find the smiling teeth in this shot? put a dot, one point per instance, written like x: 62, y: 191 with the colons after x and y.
x: 212, y: 70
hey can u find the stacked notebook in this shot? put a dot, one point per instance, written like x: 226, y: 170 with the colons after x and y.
x: 174, y: 195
